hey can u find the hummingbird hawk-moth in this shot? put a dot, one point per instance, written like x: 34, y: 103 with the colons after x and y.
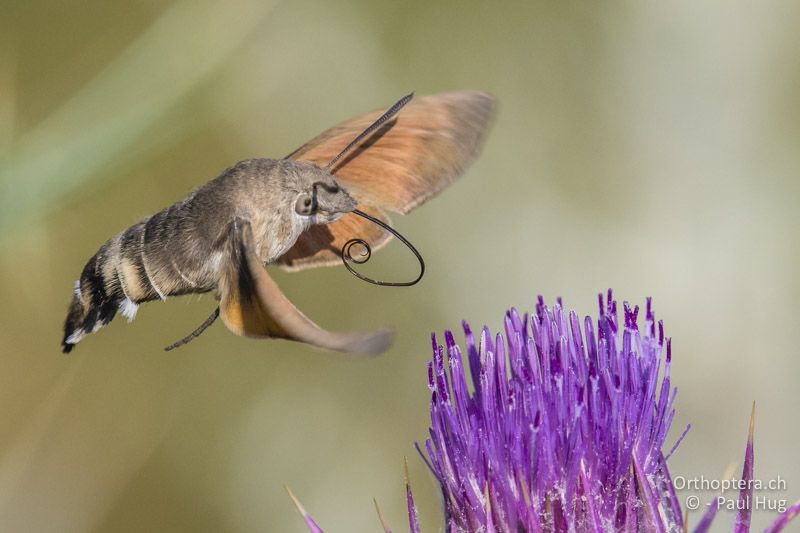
x: 298, y: 212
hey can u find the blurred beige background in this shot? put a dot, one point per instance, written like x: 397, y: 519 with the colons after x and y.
x: 650, y: 147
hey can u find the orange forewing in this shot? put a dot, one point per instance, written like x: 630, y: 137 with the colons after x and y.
x: 408, y: 160
x: 427, y: 146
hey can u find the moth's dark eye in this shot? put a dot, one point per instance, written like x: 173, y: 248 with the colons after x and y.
x: 304, y: 205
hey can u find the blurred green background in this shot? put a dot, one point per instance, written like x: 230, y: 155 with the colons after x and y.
x: 651, y: 147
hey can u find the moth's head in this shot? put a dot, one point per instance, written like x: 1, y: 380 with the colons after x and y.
x: 317, y: 196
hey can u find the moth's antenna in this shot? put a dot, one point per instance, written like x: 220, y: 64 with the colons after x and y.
x: 196, y: 333
x: 375, y: 125
x: 347, y: 256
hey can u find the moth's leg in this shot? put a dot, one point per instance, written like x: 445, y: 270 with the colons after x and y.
x: 196, y: 333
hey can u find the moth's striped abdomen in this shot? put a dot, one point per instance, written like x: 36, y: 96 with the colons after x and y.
x: 141, y: 264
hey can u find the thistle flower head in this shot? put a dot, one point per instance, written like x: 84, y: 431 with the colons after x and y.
x: 563, y: 428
